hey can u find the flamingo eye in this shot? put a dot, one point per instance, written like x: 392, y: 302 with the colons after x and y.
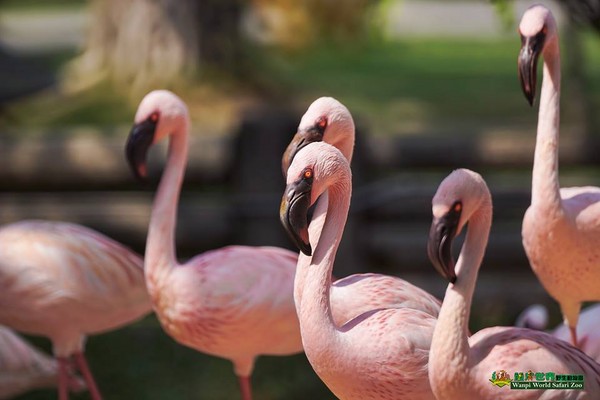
x: 308, y: 174
x: 457, y: 207
x: 321, y: 124
x: 154, y: 117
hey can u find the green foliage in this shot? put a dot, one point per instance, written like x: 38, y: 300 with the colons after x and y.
x: 506, y: 12
x: 37, y: 5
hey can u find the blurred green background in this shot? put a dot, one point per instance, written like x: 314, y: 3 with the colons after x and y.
x: 405, y: 69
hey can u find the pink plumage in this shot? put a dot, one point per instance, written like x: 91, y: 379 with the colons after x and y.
x: 24, y: 368
x: 381, y: 353
x: 65, y: 282
x: 536, y: 317
x: 235, y: 302
x: 461, y: 367
x: 328, y: 120
x: 561, y: 228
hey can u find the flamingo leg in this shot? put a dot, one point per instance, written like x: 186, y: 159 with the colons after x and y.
x: 87, y: 376
x: 245, y: 387
x: 573, y: 330
x: 63, y: 378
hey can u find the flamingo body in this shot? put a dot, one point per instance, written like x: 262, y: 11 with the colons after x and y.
x: 536, y: 317
x: 381, y: 353
x: 561, y: 228
x: 64, y: 281
x: 24, y: 368
x: 329, y: 121
x: 461, y: 367
x: 235, y: 302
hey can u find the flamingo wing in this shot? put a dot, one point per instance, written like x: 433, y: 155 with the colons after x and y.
x: 70, y: 270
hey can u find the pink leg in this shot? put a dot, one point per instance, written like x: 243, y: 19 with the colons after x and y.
x: 87, y: 376
x: 245, y: 387
x: 63, y: 378
x: 573, y: 330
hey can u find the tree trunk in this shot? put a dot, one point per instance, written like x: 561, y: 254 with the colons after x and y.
x: 138, y: 45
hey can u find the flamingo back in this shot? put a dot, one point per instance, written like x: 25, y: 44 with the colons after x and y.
x: 522, y: 350
x: 235, y: 302
x: 60, y: 277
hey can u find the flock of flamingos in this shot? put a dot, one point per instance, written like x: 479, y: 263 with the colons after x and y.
x: 367, y: 336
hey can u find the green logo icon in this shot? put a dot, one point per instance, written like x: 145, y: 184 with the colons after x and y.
x: 500, y: 378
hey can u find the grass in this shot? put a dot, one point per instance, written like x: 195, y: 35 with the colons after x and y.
x: 409, y: 86
x: 40, y: 5
x: 142, y: 362
x: 428, y: 84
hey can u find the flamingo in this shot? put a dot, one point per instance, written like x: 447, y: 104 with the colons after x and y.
x: 23, y: 367
x: 461, y: 367
x: 235, y: 302
x: 533, y: 317
x: 380, y: 354
x: 536, y: 317
x: 561, y: 228
x: 328, y: 120
x: 64, y: 281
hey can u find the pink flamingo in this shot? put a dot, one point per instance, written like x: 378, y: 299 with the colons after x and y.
x: 328, y: 120
x: 461, y: 367
x: 536, y: 317
x: 64, y: 281
x: 24, y: 368
x: 235, y: 302
x: 380, y: 354
x: 561, y: 228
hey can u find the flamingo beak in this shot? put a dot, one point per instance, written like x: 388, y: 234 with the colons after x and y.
x: 301, y: 139
x: 139, y: 141
x: 439, y: 246
x: 293, y: 213
x: 531, y: 48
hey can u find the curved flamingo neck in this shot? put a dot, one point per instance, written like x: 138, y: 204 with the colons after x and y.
x: 449, y: 357
x: 314, y: 233
x: 545, y: 185
x: 316, y: 320
x: 160, y: 245
x: 315, y: 227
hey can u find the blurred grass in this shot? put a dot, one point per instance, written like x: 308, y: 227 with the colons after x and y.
x: 40, y: 5
x: 142, y: 362
x: 411, y: 85
x: 407, y: 86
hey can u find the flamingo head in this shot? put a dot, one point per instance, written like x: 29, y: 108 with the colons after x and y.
x: 316, y: 168
x: 457, y: 198
x: 537, y: 29
x: 326, y: 120
x: 160, y: 114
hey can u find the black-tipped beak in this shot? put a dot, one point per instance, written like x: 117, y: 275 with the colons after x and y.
x: 439, y: 245
x: 531, y: 48
x: 293, y: 213
x: 139, y: 141
x: 301, y: 139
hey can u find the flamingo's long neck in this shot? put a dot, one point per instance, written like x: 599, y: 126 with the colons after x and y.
x: 545, y: 184
x: 314, y: 233
x: 449, y: 356
x: 160, y: 246
x: 316, y: 321
x: 315, y: 228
